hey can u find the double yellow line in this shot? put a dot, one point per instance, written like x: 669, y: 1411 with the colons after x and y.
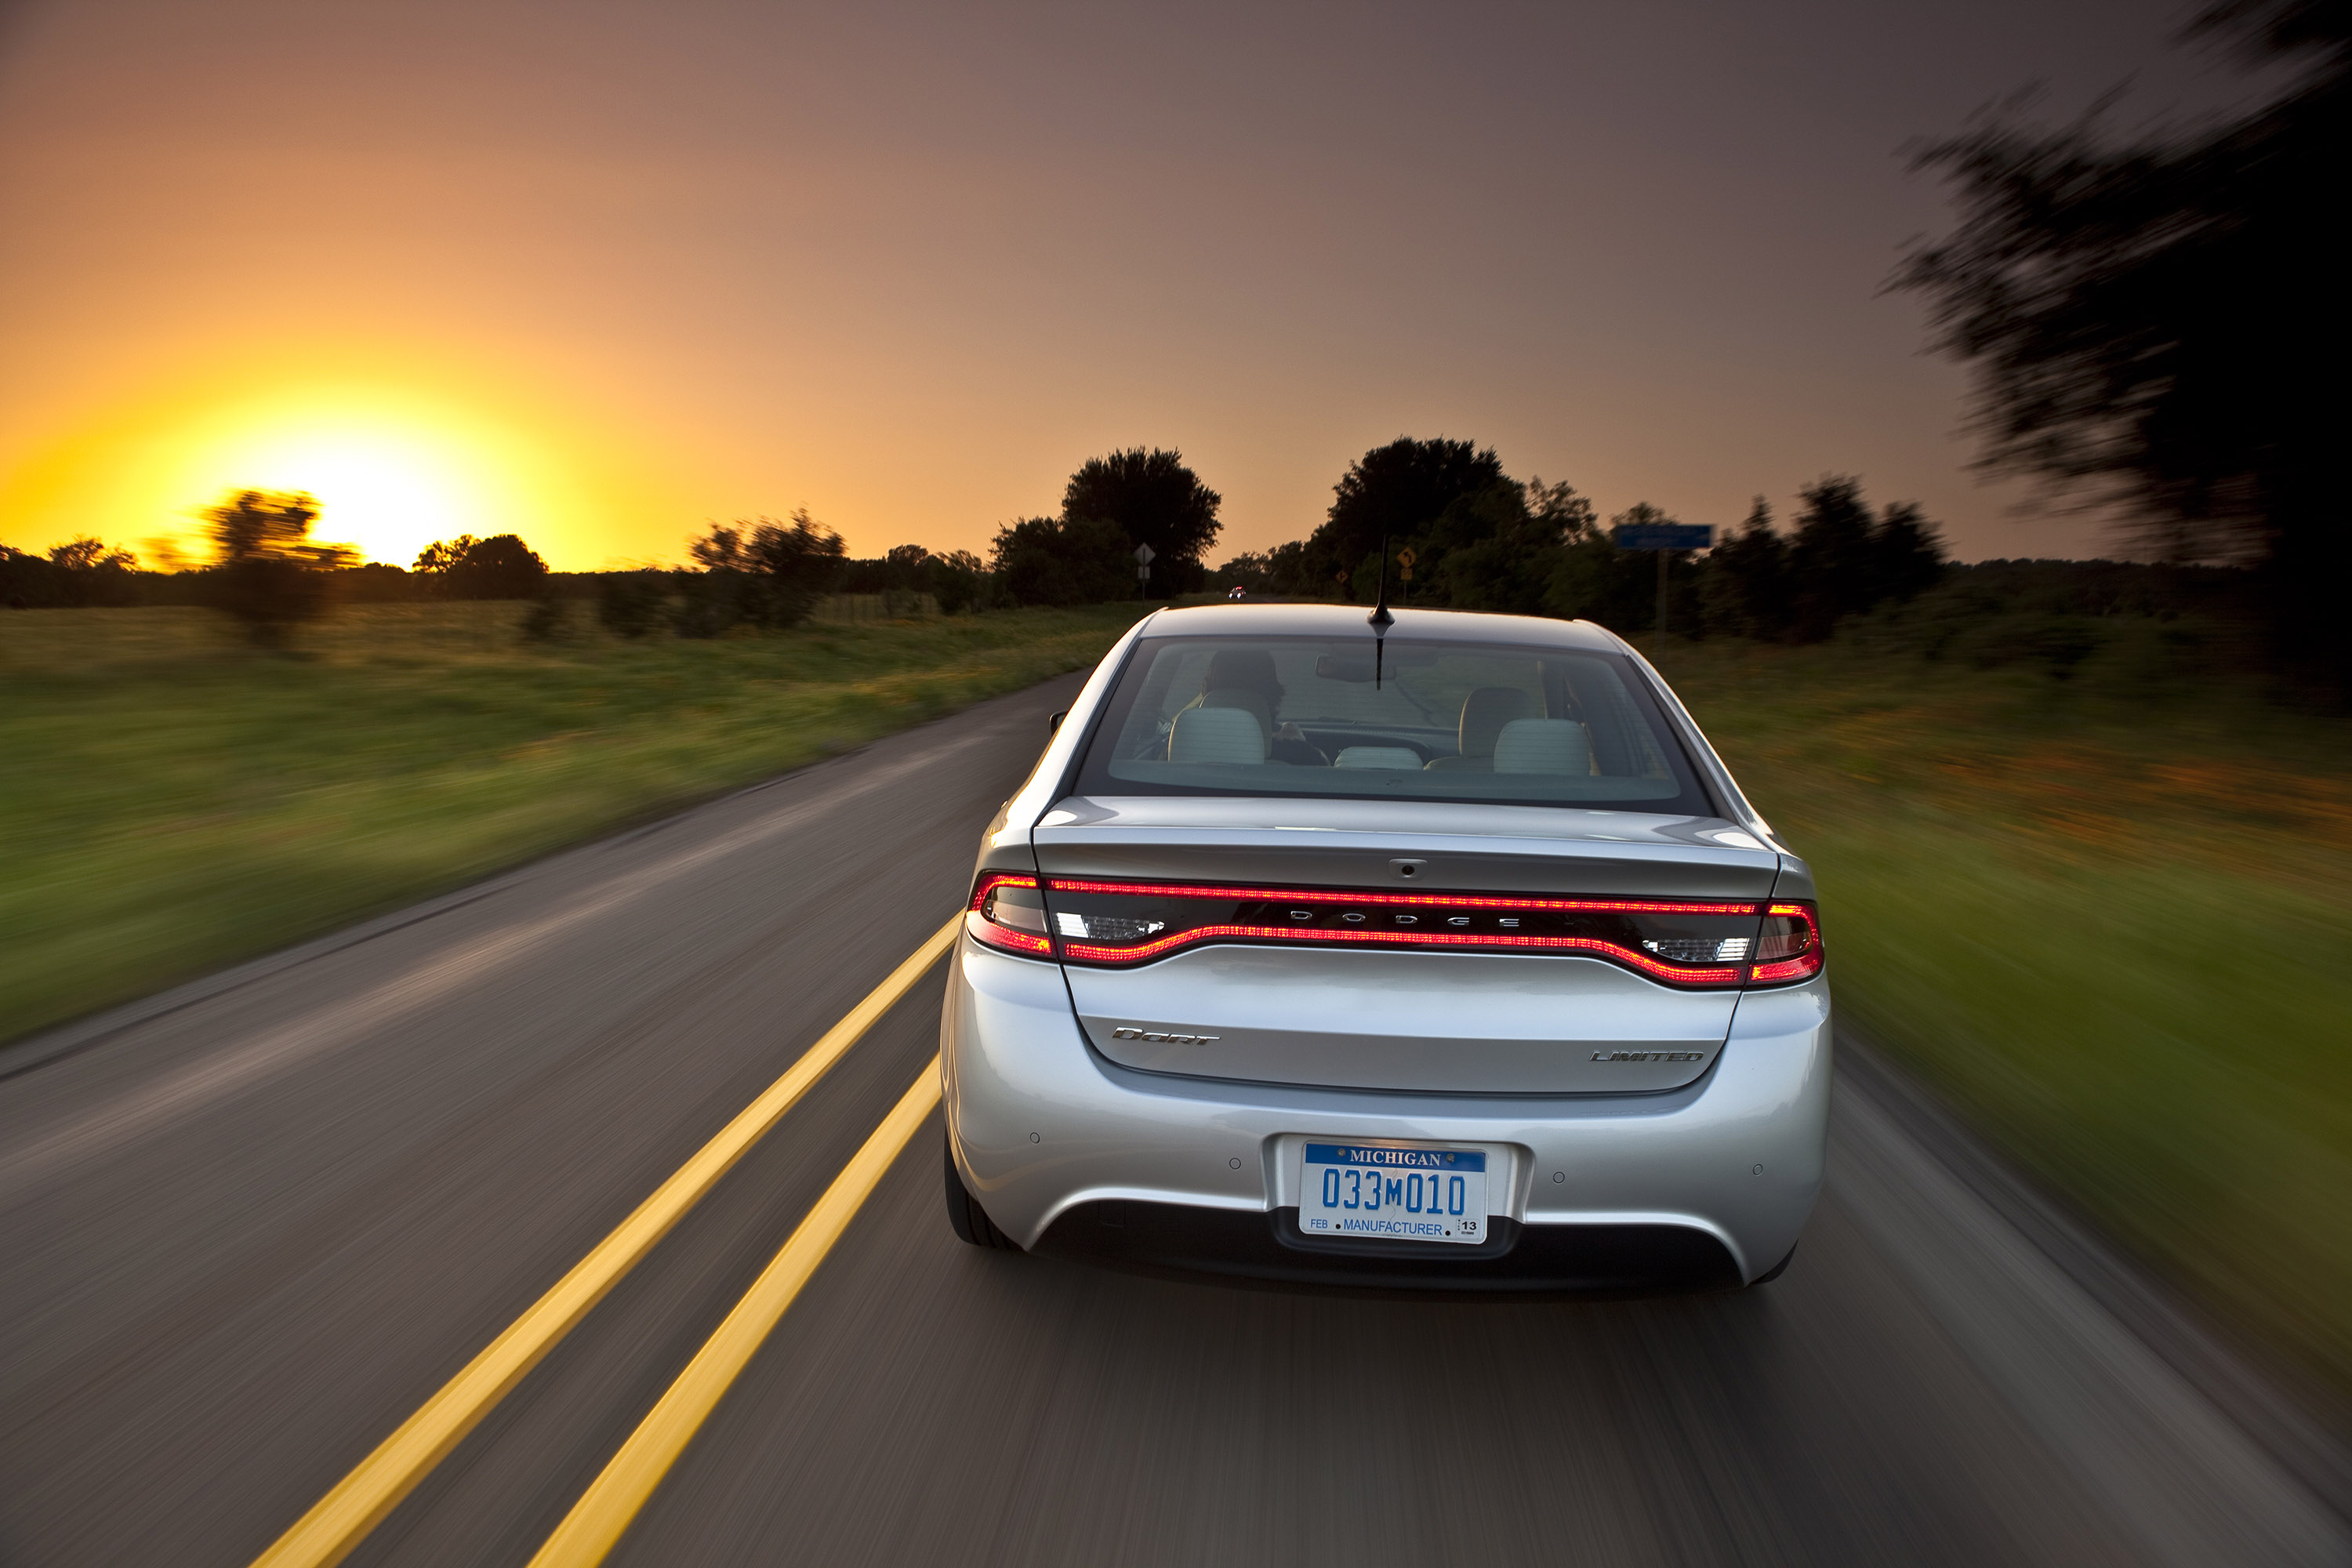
x: 341, y: 1519
x: 594, y: 1526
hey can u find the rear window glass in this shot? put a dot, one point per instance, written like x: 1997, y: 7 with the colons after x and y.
x: 1438, y: 720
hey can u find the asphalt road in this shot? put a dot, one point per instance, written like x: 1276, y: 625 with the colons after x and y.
x: 247, y: 1228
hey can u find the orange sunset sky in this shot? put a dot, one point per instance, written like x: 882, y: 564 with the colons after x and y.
x: 595, y: 273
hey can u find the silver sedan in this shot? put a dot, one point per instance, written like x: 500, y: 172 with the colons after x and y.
x: 1437, y: 951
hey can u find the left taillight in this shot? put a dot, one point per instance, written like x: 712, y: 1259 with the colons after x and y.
x: 1008, y: 911
x: 1789, y: 948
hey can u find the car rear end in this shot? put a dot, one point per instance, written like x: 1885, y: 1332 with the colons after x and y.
x: 1449, y: 957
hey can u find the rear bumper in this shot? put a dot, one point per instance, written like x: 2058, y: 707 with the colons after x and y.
x: 1704, y: 1185
x: 1527, y: 1259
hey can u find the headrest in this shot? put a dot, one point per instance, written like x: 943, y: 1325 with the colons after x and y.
x: 1544, y: 746
x: 1403, y: 757
x: 1224, y: 736
x: 1249, y: 699
x: 1252, y: 667
x: 1484, y: 713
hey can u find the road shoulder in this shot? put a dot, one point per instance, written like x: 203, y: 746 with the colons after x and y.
x: 2196, y: 1451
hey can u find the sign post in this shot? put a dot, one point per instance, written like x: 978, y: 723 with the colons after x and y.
x: 1663, y: 539
x: 1144, y: 557
x: 1405, y: 559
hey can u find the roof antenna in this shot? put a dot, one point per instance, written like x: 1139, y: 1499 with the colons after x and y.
x: 1379, y: 619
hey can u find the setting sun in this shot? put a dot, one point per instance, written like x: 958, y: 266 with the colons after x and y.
x: 389, y: 491
x: 393, y: 470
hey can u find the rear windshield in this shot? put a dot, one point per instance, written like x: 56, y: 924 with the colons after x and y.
x: 1437, y: 721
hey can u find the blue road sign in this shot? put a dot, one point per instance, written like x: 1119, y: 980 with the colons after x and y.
x: 1664, y: 535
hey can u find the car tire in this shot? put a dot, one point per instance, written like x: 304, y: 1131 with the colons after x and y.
x: 1764, y: 1279
x: 966, y: 1217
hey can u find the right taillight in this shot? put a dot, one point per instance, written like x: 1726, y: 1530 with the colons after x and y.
x: 1008, y: 911
x: 1789, y: 948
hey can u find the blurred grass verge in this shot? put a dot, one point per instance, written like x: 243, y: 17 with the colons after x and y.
x: 2106, y: 915
x: 2110, y: 920
x: 172, y: 802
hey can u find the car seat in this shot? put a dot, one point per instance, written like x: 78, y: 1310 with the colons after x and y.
x: 1544, y: 746
x: 1484, y: 714
x: 1219, y: 736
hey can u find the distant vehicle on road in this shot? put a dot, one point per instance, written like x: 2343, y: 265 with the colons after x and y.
x: 1425, y: 950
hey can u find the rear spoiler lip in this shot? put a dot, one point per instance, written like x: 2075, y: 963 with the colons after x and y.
x: 1457, y: 863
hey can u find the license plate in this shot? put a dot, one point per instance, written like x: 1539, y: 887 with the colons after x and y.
x: 1398, y: 1193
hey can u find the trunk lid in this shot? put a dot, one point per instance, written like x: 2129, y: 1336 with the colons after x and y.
x: 1417, y: 1018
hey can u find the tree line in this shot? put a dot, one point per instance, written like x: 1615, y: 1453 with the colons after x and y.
x: 764, y: 574
x: 753, y: 575
x: 266, y: 570
x: 82, y: 573
x: 1480, y: 539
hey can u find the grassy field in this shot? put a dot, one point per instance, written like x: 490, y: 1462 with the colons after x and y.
x: 171, y: 802
x: 2114, y: 925
x: 2109, y: 918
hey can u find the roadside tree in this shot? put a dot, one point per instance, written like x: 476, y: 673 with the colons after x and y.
x: 1498, y: 549
x: 266, y: 572
x: 500, y: 567
x: 959, y: 581
x: 760, y: 571
x: 1396, y: 493
x: 907, y: 576
x: 2161, y: 325
x: 1842, y: 561
x: 1064, y: 561
x: 1156, y: 500
x: 1743, y: 584
x: 436, y: 559
x: 793, y: 564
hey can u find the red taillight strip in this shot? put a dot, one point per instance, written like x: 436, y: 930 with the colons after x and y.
x: 995, y: 933
x: 984, y: 929
x: 1806, y: 964
x: 1718, y: 975
x: 1453, y: 900
x: 991, y: 880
